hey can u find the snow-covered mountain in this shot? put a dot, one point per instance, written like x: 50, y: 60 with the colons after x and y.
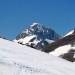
x: 71, y: 32
x: 16, y: 59
x: 64, y: 47
x: 37, y: 36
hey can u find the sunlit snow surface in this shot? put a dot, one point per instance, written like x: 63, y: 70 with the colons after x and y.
x: 69, y: 33
x: 16, y: 59
x: 26, y: 39
x: 61, y: 50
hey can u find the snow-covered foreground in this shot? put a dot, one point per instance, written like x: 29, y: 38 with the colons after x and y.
x: 16, y: 59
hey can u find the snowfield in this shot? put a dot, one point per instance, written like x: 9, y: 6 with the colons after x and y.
x: 16, y: 59
x: 61, y: 50
x: 25, y: 40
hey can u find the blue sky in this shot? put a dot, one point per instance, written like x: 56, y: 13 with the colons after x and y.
x: 17, y: 15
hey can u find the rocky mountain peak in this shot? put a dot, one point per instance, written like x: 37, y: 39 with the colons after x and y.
x: 35, y: 24
x: 37, y: 35
x: 74, y: 31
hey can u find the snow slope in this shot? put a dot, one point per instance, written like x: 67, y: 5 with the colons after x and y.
x: 66, y: 52
x: 26, y: 39
x: 16, y: 59
x: 62, y: 50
